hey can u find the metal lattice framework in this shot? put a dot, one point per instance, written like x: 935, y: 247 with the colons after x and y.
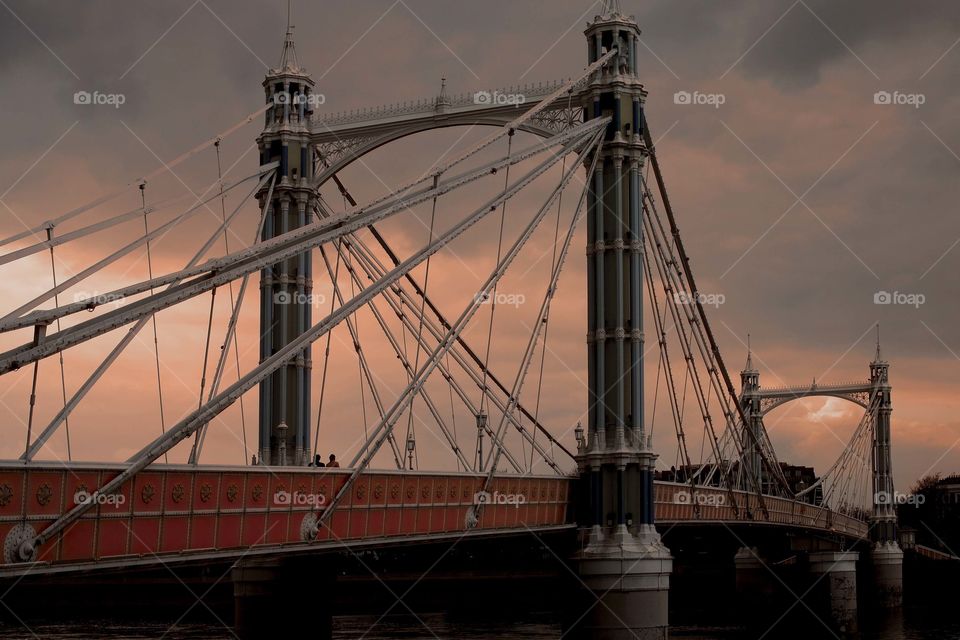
x: 738, y: 457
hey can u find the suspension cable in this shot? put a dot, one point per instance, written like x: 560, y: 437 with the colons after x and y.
x: 131, y: 334
x: 117, y: 192
x: 153, y: 318
x: 63, y: 378
x: 411, y: 432
x: 493, y: 300
x: 326, y: 357
x: 546, y: 328
x: 229, y: 336
x: 236, y: 343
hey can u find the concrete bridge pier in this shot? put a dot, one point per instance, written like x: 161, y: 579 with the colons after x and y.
x: 833, y: 594
x: 629, y: 575
x: 755, y: 584
x: 275, y: 599
x: 886, y: 559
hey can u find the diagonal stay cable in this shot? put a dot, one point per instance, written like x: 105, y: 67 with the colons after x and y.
x: 224, y: 399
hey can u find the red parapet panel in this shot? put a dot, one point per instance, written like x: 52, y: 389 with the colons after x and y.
x: 375, y: 522
x: 145, y: 535
x: 361, y: 492
x: 423, y: 519
x: 5, y: 528
x: 408, y: 520
x: 454, y: 518
x: 174, y: 535
x: 339, y: 524
x: 278, y: 523
x: 177, y: 492
x: 379, y: 491
x: 453, y: 491
x: 391, y: 522
x: 280, y: 489
x: 232, y: 487
x: 358, y: 523
x: 112, y: 538
x: 439, y: 490
x: 147, y: 493
x: 44, y: 492
x: 410, y: 490
x: 11, y: 493
x: 256, y: 496
x: 203, y: 532
x: 206, y: 491
x: 228, y: 531
x: 49, y: 552
x: 79, y: 485
x: 393, y: 489
x: 254, y: 527
x: 77, y: 541
x: 437, y: 524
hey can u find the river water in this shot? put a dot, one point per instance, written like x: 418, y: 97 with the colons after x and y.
x: 911, y: 624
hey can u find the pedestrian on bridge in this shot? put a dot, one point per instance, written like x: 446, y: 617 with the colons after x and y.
x: 333, y: 461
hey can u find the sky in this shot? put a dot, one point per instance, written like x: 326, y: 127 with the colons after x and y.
x: 813, y: 172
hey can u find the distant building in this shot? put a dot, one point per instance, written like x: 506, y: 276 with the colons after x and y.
x: 800, y: 478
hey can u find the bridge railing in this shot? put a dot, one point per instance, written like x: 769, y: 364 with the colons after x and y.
x: 180, y: 510
x: 804, y: 389
x: 677, y: 502
x: 528, y: 93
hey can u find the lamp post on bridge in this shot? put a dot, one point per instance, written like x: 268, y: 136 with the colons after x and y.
x: 623, y: 560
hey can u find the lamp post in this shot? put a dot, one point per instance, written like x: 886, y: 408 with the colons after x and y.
x: 481, y: 427
x: 282, y: 445
x: 578, y: 434
x: 411, y: 447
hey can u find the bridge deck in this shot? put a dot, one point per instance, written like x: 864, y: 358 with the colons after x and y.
x: 171, y: 509
x: 181, y: 511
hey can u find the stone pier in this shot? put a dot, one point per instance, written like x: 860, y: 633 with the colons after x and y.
x: 833, y: 595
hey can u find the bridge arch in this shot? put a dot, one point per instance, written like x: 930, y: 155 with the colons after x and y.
x: 771, y: 402
x: 393, y: 133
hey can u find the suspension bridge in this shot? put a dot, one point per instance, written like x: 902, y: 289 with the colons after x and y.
x: 586, y: 139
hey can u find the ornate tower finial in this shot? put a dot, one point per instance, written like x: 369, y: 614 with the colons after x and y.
x: 288, y: 59
x: 442, y: 101
x: 749, y: 365
x: 611, y: 8
x: 878, y: 357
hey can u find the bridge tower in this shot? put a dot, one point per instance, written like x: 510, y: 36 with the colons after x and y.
x: 886, y: 555
x: 623, y: 560
x: 753, y: 429
x: 286, y: 286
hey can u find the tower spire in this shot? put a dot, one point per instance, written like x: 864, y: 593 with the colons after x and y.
x: 749, y: 365
x: 878, y: 357
x: 288, y: 58
x: 611, y: 8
